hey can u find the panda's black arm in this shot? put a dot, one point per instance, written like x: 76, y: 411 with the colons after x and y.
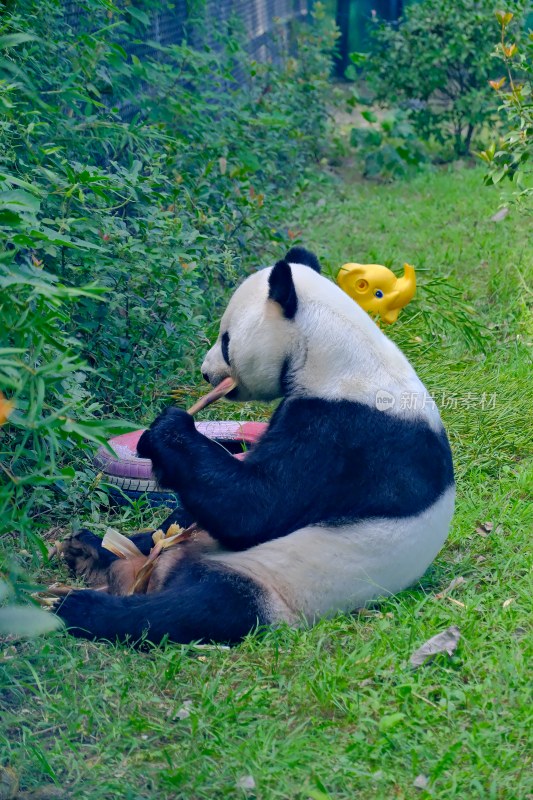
x: 240, y: 503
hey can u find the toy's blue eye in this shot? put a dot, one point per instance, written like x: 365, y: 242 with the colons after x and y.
x: 378, y: 293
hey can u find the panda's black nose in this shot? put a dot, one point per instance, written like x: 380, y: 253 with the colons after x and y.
x: 205, y: 376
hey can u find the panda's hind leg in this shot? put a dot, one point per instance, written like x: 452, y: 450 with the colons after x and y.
x: 97, y: 567
x: 203, y: 601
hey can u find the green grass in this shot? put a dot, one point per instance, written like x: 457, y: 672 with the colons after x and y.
x: 336, y: 711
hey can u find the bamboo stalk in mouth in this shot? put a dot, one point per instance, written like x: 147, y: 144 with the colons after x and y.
x: 223, y: 388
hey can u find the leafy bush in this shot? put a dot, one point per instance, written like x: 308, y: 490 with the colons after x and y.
x: 512, y: 158
x: 132, y: 193
x: 389, y: 146
x: 168, y: 204
x: 50, y: 417
x: 43, y: 374
x: 436, y: 65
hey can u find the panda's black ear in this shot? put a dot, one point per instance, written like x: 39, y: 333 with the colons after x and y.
x: 281, y: 288
x: 299, y: 255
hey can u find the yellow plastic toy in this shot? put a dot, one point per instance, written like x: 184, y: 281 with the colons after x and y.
x: 377, y: 289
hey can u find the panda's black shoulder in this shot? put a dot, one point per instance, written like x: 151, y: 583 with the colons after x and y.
x: 299, y: 255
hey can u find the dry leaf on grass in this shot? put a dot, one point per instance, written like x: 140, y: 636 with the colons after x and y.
x: 484, y: 528
x: 445, y: 642
x: 421, y: 782
x: 246, y: 782
x: 459, y: 581
x: 500, y: 215
x: 185, y: 711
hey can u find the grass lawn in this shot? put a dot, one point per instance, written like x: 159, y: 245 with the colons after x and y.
x: 336, y: 711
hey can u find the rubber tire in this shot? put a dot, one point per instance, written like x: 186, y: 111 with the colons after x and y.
x: 124, y: 490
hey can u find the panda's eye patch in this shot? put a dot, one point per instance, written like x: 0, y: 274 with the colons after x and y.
x: 225, y: 348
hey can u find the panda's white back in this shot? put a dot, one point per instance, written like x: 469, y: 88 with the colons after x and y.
x: 350, y: 358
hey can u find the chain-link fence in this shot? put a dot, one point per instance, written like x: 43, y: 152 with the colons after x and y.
x: 261, y: 20
x: 264, y: 24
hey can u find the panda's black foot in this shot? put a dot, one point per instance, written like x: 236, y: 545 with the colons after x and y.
x: 86, y: 613
x: 85, y: 557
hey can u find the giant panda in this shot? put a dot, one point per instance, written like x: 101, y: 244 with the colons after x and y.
x: 347, y: 497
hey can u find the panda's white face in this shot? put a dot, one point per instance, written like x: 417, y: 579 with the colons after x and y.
x: 253, y: 344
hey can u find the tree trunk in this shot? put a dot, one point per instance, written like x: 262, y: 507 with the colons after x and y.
x: 468, y: 138
x: 342, y: 18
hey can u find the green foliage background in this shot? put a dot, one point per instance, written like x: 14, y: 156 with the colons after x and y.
x: 428, y: 80
x: 133, y: 193
x: 436, y: 64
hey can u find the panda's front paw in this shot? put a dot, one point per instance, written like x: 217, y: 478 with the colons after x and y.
x: 172, y: 433
x: 173, y: 428
x: 170, y: 437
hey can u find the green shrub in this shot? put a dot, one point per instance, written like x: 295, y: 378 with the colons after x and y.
x: 169, y: 205
x: 50, y: 418
x: 512, y: 157
x: 436, y: 65
x: 133, y: 192
x: 389, y: 146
